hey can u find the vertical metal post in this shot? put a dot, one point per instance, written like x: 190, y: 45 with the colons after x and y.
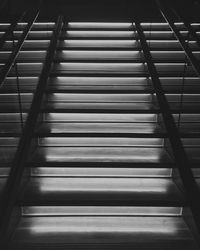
x: 190, y: 187
x: 167, y: 16
x: 12, y: 188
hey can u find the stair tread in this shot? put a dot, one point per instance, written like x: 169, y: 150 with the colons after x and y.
x: 101, y: 167
x: 76, y: 190
x: 103, y: 230
x: 101, y: 154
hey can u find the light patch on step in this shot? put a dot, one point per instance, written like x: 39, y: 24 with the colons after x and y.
x: 99, y: 185
x: 121, y: 225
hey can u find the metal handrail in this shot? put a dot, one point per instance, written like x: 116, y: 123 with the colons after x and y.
x: 12, y: 188
x: 189, y: 184
x: 7, y: 67
x: 167, y: 16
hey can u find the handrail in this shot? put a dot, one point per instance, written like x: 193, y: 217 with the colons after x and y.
x: 7, y: 67
x: 12, y: 188
x: 9, y: 30
x: 189, y: 184
x: 187, y: 25
x: 167, y: 16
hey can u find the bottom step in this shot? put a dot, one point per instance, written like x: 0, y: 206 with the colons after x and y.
x: 102, y: 228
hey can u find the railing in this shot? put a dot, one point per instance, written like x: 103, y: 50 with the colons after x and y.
x: 181, y: 160
x: 13, y: 185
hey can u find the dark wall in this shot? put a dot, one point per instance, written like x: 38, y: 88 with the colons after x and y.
x: 145, y: 10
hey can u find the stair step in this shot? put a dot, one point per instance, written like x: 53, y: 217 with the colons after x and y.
x: 122, y: 172
x: 80, y: 34
x: 101, y: 154
x: 173, y: 84
x: 99, y: 25
x: 101, y: 190
x: 121, y: 44
x: 102, y: 231
x: 105, y: 128
x: 101, y: 171
x: 101, y: 211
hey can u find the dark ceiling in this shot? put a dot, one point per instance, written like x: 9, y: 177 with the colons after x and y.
x: 145, y: 10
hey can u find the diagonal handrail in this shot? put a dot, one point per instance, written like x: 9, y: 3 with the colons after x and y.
x: 10, y: 29
x: 187, y: 24
x: 12, y: 187
x: 190, y: 186
x: 167, y: 16
x: 7, y: 67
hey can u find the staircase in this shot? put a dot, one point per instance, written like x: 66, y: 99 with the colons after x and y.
x: 102, y: 171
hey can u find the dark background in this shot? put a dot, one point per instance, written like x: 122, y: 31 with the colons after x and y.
x: 96, y: 10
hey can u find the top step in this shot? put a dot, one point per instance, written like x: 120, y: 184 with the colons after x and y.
x: 100, y: 25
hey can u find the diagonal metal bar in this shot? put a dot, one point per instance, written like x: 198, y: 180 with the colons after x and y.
x: 12, y: 187
x: 7, y: 67
x: 9, y: 31
x: 167, y: 16
x: 190, y: 187
x: 188, y: 26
